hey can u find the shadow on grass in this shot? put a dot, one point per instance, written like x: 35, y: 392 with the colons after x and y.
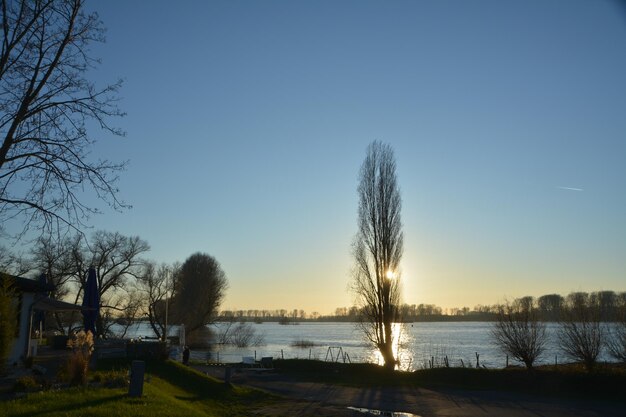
x: 569, y: 381
x: 198, y: 385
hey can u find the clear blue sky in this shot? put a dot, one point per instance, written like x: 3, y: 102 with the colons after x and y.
x: 248, y: 121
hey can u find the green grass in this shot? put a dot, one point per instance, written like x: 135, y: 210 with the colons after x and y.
x: 172, y: 390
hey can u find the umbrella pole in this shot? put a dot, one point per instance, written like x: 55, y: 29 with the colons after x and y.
x: 166, y: 312
x: 30, y: 329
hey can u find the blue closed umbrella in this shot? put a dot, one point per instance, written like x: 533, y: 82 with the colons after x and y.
x: 39, y: 316
x: 91, y: 302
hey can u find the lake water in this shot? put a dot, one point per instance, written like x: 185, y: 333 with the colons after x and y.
x: 419, y: 343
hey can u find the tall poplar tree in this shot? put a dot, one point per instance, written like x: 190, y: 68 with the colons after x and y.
x: 378, y: 249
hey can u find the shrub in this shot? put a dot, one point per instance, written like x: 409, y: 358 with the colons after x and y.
x: 111, y: 379
x: 244, y: 335
x: 518, y: 331
x: 26, y: 383
x: 78, y: 363
x: 302, y: 343
x: 581, y: 335
x: 616, y: 342
x: 8, y: 319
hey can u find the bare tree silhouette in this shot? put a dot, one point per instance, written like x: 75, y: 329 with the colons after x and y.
x: 519, y: 332
x: 616, y: 343
x: 46, y: 106
x: 156, y: 285
x: 377, y: 249
x: 581, y: 336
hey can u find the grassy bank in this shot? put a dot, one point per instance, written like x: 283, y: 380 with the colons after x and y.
x: 607, y: 381
x: 170, y: 390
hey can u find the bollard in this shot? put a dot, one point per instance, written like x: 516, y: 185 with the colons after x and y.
x: 137, y: 369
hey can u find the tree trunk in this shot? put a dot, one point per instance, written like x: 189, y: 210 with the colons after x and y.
x: 386, y: 350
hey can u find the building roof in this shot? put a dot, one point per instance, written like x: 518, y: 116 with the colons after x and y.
x: 26, y: 285
x: 48, y: 304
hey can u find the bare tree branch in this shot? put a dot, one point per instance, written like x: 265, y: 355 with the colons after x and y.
x: 46, y: 104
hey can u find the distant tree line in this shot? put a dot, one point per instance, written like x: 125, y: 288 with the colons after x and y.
x: 549, y: 309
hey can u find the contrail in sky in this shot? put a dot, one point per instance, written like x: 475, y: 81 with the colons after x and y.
x: 571, y: 188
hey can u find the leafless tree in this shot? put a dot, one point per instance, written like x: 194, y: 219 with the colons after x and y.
x: 519, y: 332
x: 377, y: 249
x: 606, y: 302
x: 244, y: 335
x: 550, y: 306
x: 199, y: 289
x: 616, y: 340
x: 46, y: 106
x: 12, y: 263
x: 240, y: 334
x: 131, y: 310
x: 54, y: 258
x: 116, y: 259
x: 581, y: 335
x: 155, y: 282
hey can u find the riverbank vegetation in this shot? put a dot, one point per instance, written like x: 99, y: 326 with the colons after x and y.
x: 587, y: 325
x: 606, y: 381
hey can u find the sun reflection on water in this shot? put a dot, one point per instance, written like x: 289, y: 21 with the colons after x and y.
x: 402, y: 340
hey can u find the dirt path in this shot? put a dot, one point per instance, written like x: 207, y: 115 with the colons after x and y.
x: 316, y: 399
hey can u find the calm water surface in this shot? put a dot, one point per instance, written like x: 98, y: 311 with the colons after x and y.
x: 418, y: 343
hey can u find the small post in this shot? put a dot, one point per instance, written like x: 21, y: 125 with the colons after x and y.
x: 462, y: 363
x: 555, y: 361
x: 282, y: 354
x: 218, y: 357
x: 432, y: 362
x: 137, y: 369
x: 255, y: 355
x: 507, y: 361
x: 309, y: 354
x: 477, y: 360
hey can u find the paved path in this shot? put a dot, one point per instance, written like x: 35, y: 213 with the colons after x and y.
x: 418, y: 401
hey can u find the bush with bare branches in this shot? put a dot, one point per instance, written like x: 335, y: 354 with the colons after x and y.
x: 581, y: 335
x: 616, y: 342
x: 519, y: 332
